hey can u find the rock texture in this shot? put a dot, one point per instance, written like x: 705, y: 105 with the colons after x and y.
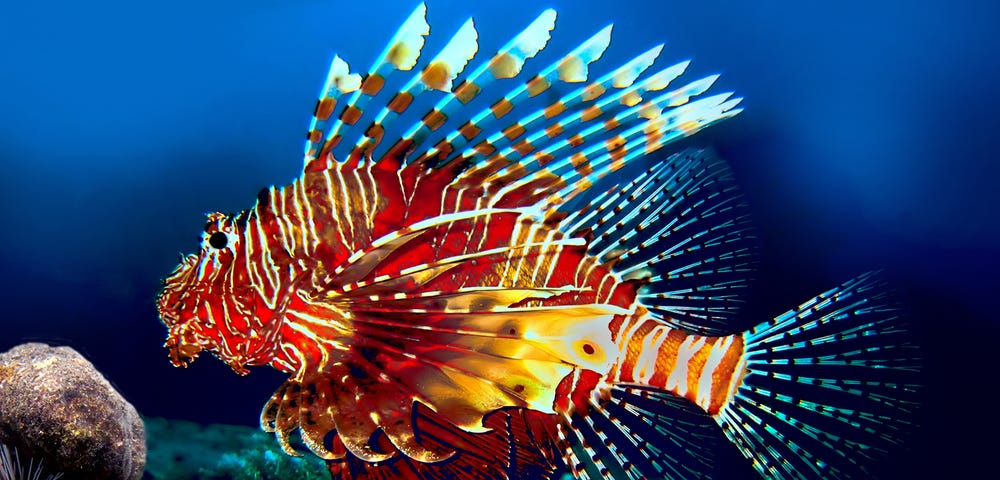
x: 56, y: 406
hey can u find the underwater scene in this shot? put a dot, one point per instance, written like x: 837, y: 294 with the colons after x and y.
x: 318, y: 239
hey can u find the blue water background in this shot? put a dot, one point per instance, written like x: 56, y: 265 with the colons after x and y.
x: 869, y: 141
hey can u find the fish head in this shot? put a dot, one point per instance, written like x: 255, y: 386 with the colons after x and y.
x: 209, y: 303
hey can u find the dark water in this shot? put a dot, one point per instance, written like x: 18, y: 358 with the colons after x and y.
x: 868, y: 141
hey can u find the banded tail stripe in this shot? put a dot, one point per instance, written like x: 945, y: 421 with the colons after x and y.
x: 702, y: 369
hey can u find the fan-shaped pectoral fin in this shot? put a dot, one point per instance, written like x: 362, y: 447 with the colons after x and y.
x: 356, y: 423
x: 316, y: 418
x: 281, y: 417
x: 396, y: 419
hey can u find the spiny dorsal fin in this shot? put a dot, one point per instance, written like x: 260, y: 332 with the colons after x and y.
x: 623, y: 77
x: 400, y: 54
x: 581, y: 57
x: 438, y: 74
x: 505, y: 63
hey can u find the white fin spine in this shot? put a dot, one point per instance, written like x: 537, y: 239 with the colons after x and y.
x: 438, y: 74
x: 586, y: 53
x: 401, y: 53
x: 588, y: 93
x: 447, y: 65
x: 505, y: 63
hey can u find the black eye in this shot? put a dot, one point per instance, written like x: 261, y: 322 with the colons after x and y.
x: 218, y: 240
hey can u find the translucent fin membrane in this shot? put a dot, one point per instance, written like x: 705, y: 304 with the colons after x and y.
x: 437, y: 75
x: 520, y: 445
x: 506, y: 63
x: 540, y: 122
x: 639, y: 433
x: 401, y: 53
x: 829, y: 386
x: 581, y: 56
x: 682, y: 227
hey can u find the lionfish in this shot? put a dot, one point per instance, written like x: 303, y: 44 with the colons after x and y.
x: 473, y: 301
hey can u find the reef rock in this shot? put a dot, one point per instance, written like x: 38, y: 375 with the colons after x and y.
x: 54, y: 405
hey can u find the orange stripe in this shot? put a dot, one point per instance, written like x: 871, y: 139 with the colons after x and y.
x: 666, y: 358
x: 350, y: 115
x: 632, y: 350
x: 434, y: 119
x: 723, y: 375
x: 485, y: 148
x: 523, y: 147
x: 501, y: 108
x: 513, y: 131
x: 554, y: 109
x: 554, y: 130
x: 537, y: 85
x: 372, y: 84
x: 466, y: 91
x: 593, y: 91
x: 469, y: 130
x: 400, y: 102
x: 324, y: 107
x: 591, y: 113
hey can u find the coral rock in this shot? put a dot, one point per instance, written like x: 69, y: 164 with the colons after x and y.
x: 56, y: 406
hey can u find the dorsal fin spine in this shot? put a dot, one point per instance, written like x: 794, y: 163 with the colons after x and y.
x: 437, y: 75
x: 399, y: 54
x: 523, y: 46
x: 588, y: 52
x: 657, y: 81
x: 586, y: 168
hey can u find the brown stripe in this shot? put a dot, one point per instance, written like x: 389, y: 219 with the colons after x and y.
x: 466, y: 91
x: 485, y: 148
x: 537, y: 85
x: 581, y: 163
x: 614, y: 143
x: 350, y: 115
x: 554, y: 130
x: 611, y: 124
x: 434, y: 119
x: 513, y: 131
x: 314, y: 136
x: 593, y: 91
x: 523, y: 147
x: 591, y: 113
x: 501, y: 108
x: 576, y: 140
x: 376, y: 132
x: 469, y: 130
x: 444, y: 148
x: 400, y: 102
x: 633, y: 348
x: 554, y: 109
x: 324, y: 107
x: 543, y: 158
x: 372, y: 84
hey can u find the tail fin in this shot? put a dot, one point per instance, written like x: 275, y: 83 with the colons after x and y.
x: 828, y: 387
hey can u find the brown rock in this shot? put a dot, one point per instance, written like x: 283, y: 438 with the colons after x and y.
x: 54, y: 405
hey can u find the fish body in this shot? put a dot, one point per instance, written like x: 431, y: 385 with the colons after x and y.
x: 473, y: 309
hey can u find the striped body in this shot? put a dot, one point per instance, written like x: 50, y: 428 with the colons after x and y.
x: 464, y: 302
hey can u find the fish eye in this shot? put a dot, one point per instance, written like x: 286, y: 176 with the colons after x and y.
x: 218, y: 240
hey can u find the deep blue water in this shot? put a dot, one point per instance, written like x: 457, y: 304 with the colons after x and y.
x: 868, y: 141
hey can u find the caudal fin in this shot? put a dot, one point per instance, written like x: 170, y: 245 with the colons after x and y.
x: 829, y: 386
